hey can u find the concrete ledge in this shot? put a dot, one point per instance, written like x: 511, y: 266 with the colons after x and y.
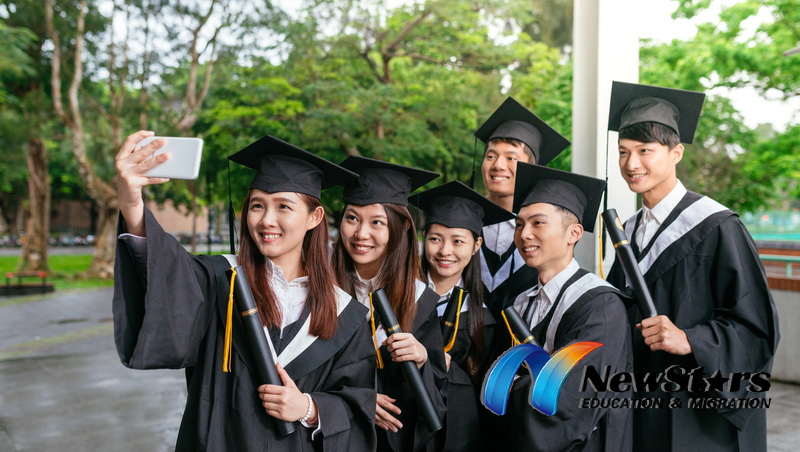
x: 786, y: 366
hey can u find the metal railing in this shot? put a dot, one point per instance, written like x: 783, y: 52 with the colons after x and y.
x: 788, y: 260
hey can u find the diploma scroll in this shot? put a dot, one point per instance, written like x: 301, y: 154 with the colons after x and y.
x: 409, y: 368
x: 629, y: 264
x: 518, y: 327
x: 260, y: 345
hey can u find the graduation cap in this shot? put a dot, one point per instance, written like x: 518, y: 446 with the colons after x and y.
x: 675, y: 108
x: 455, y: 205
x: 579, y: 194
x: 512, y: 120
x: 382, y: 182
x: 283, y: 167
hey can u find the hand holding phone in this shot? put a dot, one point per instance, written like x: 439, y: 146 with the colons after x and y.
x: 184, y: 162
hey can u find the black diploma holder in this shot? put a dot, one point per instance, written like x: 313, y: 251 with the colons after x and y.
x: 260, y: 346
x: 517, y: 326
x: 409, y: 368
x: 630, y: 266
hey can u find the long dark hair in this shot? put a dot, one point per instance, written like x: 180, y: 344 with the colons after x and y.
x: 321, y: 292
x: 398, y: 271
x: 474, y: 285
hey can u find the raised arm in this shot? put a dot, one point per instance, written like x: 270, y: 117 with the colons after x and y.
x: 131, y: 164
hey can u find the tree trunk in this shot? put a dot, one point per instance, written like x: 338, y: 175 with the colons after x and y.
x: 193, y: 190
x: 105, y: 242
x: 4, y: 228
x: 37, y: 230
x: 102, y: 194
x: 20, y: 217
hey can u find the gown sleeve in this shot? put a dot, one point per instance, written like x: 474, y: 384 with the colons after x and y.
x: 161, y: 309
x: 742, y: 333
x: 415, y: 433
x: 346, y: 401
x: 462, y: 430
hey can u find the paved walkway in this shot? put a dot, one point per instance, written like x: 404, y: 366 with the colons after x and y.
x: 63, y: 388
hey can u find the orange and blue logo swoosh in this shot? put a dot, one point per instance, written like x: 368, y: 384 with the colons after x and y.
x: 547, y: 375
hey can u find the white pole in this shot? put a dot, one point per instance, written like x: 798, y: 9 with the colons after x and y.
x: 606, y: 49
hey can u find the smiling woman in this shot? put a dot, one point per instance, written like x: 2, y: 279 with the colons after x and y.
x: 455, y: 215
x: 377, y: 248
x: 170, y: 311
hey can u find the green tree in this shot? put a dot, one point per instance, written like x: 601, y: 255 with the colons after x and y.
x: 729, y: 161
x: 15, y: 64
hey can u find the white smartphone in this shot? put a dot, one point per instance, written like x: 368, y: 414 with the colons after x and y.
x: 184, y: 161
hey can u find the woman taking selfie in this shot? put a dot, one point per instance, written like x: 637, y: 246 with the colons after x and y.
x: 170, y: 311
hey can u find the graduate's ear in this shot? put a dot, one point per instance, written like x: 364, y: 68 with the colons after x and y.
x: 676, y: 154
x: 477, y: 245
x: 574, y: 233
x: 315, y: 218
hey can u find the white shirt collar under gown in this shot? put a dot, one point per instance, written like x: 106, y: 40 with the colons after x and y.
x: 365, y: 286
x: 534, y: 305
x: 653, y: 218
x: 441, y: 305
x: 291, y: 295
x: 499, y: 238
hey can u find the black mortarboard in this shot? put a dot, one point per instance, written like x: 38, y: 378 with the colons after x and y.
x: 457, y: 206
x: 382, y: 182
x: 675, y: 108
x: 579, y: 194
x: 512, y: 120
x: 285, y: 167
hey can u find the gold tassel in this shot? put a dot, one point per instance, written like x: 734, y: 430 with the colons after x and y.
x: 452, y: 342
x: 226, y: 357
x: 374, y: 336
x: 514, y: 340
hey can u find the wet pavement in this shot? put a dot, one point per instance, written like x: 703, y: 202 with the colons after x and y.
x: 63, y: 388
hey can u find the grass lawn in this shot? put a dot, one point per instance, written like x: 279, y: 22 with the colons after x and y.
x: 64, y: 271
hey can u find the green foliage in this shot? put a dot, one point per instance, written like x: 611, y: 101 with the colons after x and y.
x: 408, y: 84
x: 741, y: 168
x: 65, y: 271
x: 746, y: 55
x: 14, y: 61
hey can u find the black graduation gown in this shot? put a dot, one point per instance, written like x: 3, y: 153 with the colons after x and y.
x: 597, y: 313
x: 703, y: 272
x: 505, y: 275
x: 415, y: 434
x: 173, y: 315
x: 462, y: 430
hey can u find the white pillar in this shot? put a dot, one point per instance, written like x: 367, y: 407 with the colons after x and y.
x: 606, y: 48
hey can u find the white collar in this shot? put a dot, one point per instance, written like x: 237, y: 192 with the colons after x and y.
x: 664, y: 207
x: 363, y: 287
x: 460, y: 283
x: 501, y: 225
x: 279, y: 278
x: 366, y: 282
x: 553, y: 287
